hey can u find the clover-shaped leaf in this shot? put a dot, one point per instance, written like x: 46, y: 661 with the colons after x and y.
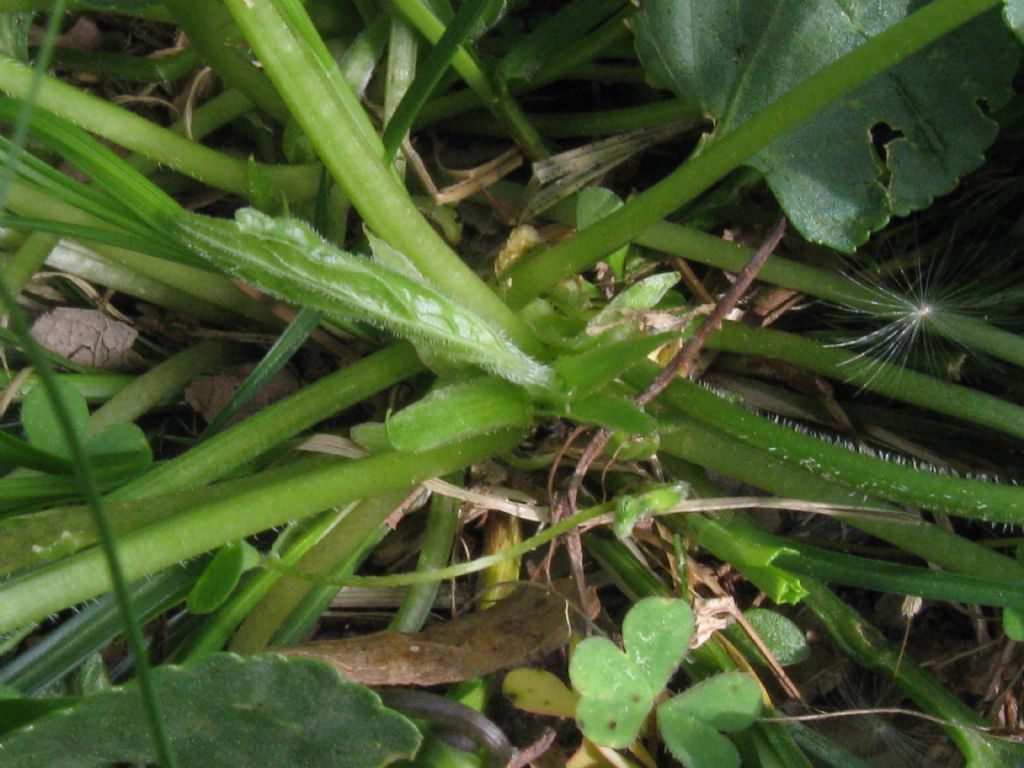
x: 656, y: 633
x: 727, y: 702
x: 615, y: 693
x: 617, y: 688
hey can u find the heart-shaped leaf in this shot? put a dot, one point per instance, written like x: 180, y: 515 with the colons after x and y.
x: 693, y: 742
x: 656, y: 633
x: 615, y: 693
x: 220, y: 712
x: 727, y: 702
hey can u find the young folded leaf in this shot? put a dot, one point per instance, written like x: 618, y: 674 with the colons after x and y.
x: 287, y: 259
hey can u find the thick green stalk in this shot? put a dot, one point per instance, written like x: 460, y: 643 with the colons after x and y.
x: 122, y: 127
x: 204, y: 22
x: 227, y: 450
x: 528, y: 279
x: 873, y: 374
x: 435, y: 552
x: 337, y: 548
x: 874, y: 476
x: 203, y: 526
x: 160, y: 383
x: 715, y: 451
x: 324, y: 105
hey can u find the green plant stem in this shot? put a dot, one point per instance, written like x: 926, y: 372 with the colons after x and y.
x: 204, y: 120
x: 598, y: 123
x: 250, y: 508
x: 585, y: 50
x: 435, y: 552
x: 94, y: 387
x: 401, y: 71
x: 315, y: 599
x: 530, y: 278
x: 828, y: 285
x: 204, y: 22
x: 215, y: 631
x: 93, y: 628
x: 875, y: 375
x: 227, y: 450
x: 324, y: 105
x: 970, y: 332
x: 709, y: 448
x: 296, y: 183
x: 338, y: 548
x: 119, y: 66
x: 159, y: 384
x: 877, y: 477
x: 28, y: 260
x: 869, y: 648
x: 498, y: 100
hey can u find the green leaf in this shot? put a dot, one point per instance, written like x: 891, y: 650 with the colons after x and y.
x: 595, y: 367
x: 730, y: 701
x: 123, y: 447
x: 221, y: 576
x: 41, y: 424
x: 642, y: 295
x: 288, y: 259
x: 592, y: 205
x: 455, y: 412
x: 693, y: 742
x: 784, y: 639
x: 615, y: 693
x: 613, y: 412
x: 223, y: 711
x: 888, y: 148
x: 1013, y: 624
x: 656, y: 633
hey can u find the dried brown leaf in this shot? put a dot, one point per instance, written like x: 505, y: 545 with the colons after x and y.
x: 528, y: 624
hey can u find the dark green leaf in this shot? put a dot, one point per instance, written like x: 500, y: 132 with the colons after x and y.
x: 730, y: 701
x: 782, y: 637
x: 221, y: 712
x: 887, y: 149
x: 221, y: 577
x: 589, y: 370
x: 40, y: 421
x: 693, y: 742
